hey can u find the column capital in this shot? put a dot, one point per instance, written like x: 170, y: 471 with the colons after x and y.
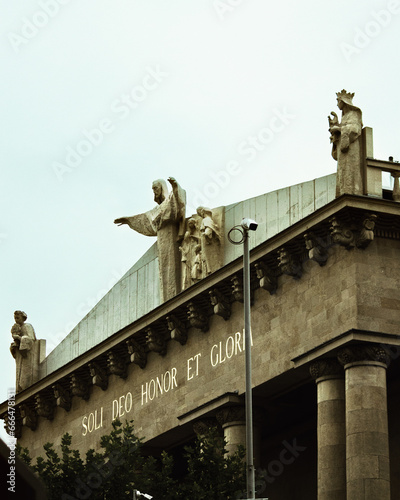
x: 363, y: 353
x: 231, y: 414
x: 237, y: 414
x: 327, y: 368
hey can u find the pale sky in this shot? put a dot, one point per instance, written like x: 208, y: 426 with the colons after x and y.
x: 99, y: 98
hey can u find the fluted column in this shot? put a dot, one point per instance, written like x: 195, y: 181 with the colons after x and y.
x: 233, y: 422
x: 367, y: 440
x: 331, y: 432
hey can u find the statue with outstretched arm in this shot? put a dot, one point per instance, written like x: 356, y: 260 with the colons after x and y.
x: 166, y: 221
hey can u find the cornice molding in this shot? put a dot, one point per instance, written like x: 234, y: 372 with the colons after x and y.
x: 310, y: 238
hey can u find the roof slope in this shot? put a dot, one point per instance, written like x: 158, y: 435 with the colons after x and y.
x: 137, y: 292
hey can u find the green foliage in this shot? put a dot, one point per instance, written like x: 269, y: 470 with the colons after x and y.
x: 121, y: 467
x: 212, y: 474
x: 23, y: 453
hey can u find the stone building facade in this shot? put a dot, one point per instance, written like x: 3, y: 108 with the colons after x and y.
x: 325, y: 281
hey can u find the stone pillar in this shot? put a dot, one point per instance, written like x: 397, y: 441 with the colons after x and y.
x: 331, y: 431
x: 367, y: 440
x: 233, y: 422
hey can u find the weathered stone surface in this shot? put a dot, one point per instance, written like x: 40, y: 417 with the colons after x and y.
x: 366, y: 420
x: 366, y: 233
x: 116, y: 364
x: 331, y: 430
x: 331, y: 411
x: 302, y: 315
x: 211, y: 238
x: 288, y: 264
x: 220, y: 303
x: 137, y: 353
x: 237, y: 288
x: 346, y: 145
x: 317, y: 250
x: 44, y: 406
x: 137, y: 291
x: 177, y: 328
x: 374, y: 488
x: 367, y: 442
x: 166, y: 221
x: 326, y: 367
x: 99, y: 375
x: 29, y: 416
x: 26, y: 350
x: 341, y: 234
x: 358, y: 353
x: 63, y: 397
x: 197, y: 317
x: 79, y: 386
x: 267, y: 277
x: 191, y: 268
x: 156, y: 341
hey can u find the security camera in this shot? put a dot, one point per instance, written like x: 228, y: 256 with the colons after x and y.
x: 249, y: 224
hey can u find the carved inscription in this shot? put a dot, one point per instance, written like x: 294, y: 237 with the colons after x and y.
x: 158, y: 386
x: 92, y: 422
x: 122, y: 405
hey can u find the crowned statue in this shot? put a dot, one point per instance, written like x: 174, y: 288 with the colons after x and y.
x: 347, y: 145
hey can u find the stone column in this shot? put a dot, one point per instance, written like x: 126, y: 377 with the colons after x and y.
x: 331, y: 431
x: 367, y: 440
x: 233, y: 422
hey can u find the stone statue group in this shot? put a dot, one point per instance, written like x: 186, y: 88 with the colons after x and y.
x: 188, y: 249
x: 191, y: 249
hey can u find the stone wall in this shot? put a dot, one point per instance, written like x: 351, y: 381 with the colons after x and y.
x: 137, y: 292
x: 303, y: 314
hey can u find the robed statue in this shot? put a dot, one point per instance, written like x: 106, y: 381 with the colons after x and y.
x: 210, y: 238
x: 347, y: 145
x: 167, y: 222
x: 188, y: 254
x: 25, y: 349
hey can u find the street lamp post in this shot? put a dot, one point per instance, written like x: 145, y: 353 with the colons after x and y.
x: 243, y: 228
